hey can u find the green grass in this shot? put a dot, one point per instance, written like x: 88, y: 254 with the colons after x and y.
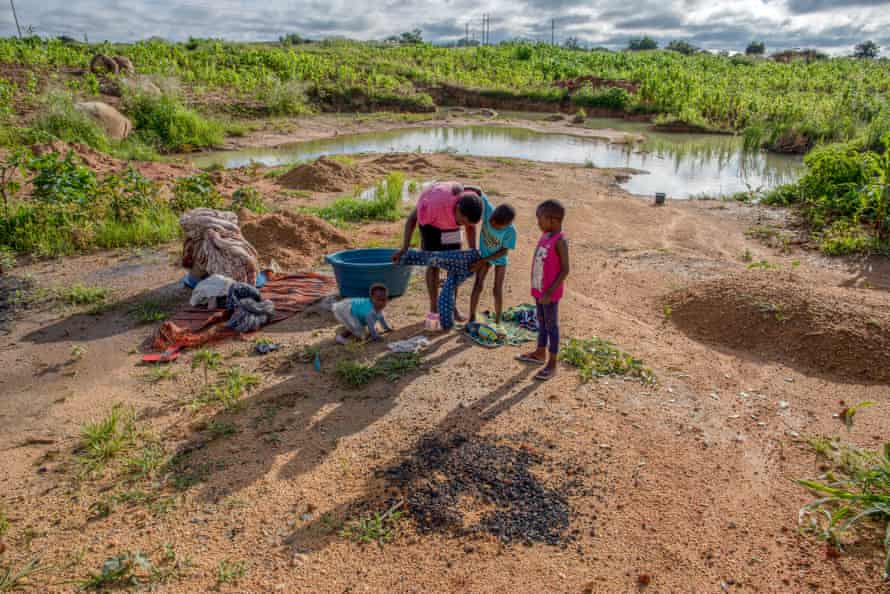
x: 160, y: 373
x: 78, y: 294
x: 103, y: 439
x: 59, y: 120
x: 228, y: 572
x: 16, y: 579
x: 164, y: 123
x: 855, y: 492
x: 149, y: 312
x: 393, y: 367
x: 147, y: 461
x: 377, y: 527
x: 595, y: 357
x: 386, y: 205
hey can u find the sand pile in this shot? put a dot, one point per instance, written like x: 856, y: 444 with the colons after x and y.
x: 322, y: 175
x: 294, y: 241
x: 834, y: 332
x: 409, y: 163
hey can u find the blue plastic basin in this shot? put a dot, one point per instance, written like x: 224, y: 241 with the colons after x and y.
x: 356, y: 270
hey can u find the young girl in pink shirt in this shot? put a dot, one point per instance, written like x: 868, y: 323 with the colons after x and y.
x: 550, y: 268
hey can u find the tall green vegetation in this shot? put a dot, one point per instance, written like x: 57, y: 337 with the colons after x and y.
x: 163, y: 122
x: 70, y: 210
x: 384, y: 205
x: 845, y: 197
x: 812, y: 100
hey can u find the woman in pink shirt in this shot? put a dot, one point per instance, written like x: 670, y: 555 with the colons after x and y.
x: 442, y: 210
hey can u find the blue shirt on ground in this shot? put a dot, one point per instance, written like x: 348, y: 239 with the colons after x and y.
x: 493, y: 240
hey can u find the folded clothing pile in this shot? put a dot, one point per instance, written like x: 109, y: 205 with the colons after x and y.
x: 214, y: 245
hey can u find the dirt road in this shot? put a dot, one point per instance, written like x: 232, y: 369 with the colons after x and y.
x: 685, y: 486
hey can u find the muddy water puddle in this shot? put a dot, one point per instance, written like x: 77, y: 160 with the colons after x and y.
x: 681, y: 165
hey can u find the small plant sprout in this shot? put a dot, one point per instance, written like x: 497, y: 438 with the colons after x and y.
x: 379, y: 528
x: 77, y: 352
x: 228, y: 572
x: 207, y: 360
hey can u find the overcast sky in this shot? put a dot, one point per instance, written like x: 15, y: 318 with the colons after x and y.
x: 713, y: 24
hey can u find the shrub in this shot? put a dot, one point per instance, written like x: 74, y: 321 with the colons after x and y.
x: 70, y: 211
x: 845, y: 194
x: 196, y: 191
x: 250, y: 198
x: 612, y: 98
x: 286, y: 98
x: 523, y: 52
x: 169, y: 126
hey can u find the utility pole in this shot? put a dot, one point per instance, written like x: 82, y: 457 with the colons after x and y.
x: 467, y: 38
x: 16, y: 18
x: 552, y: 31
x: 488, y: 33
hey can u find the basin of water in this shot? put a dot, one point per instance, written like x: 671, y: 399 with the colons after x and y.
x: 681, y: 165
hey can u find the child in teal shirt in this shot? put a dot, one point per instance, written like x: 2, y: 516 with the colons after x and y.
x: 360, y: 315
x: 496, y: 238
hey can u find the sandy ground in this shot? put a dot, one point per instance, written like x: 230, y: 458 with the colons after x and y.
x: 279, y: 132
x: 687, y: 485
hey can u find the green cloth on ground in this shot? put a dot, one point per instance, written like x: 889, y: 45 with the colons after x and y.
x: 516, y: 333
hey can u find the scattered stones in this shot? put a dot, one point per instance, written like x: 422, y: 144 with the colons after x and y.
x: 448, y: 480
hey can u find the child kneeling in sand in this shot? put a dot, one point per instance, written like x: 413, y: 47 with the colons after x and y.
x: 359, y: 315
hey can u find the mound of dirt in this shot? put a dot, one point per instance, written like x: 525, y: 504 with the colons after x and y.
x: 294, y: 241
x: 409, y: 163
x: 842, y: 334
x: 322, y: 175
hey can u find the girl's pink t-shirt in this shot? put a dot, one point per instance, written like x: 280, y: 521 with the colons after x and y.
x: 546, y: 267
x: 436, y: 206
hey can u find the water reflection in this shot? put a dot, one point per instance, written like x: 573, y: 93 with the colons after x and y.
x: 681, y: 165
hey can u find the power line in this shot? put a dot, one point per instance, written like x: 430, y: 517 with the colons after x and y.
x: 15, y: 16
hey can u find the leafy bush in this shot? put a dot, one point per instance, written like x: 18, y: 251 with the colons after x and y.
x: 286, y: 98
x: 250, y: 198
x: 523, y: 52
x: 612, y: 98
x: 845, y: 195
x: 166, y: 124
x: 69, y: 210
x: 596, y: 357
x: 196, y: 191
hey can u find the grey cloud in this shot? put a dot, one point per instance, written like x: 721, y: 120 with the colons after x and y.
x: 786, y: 23
x: 808, y: 6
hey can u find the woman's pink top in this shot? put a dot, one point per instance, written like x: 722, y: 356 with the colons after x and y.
x: 547, y: 267
x: 436, y: 206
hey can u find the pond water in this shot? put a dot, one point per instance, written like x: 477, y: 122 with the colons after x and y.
x: 681, y: 165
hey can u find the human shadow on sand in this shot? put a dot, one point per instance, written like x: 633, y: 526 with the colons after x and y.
x: 302, y: 418
x: 468, y: 421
